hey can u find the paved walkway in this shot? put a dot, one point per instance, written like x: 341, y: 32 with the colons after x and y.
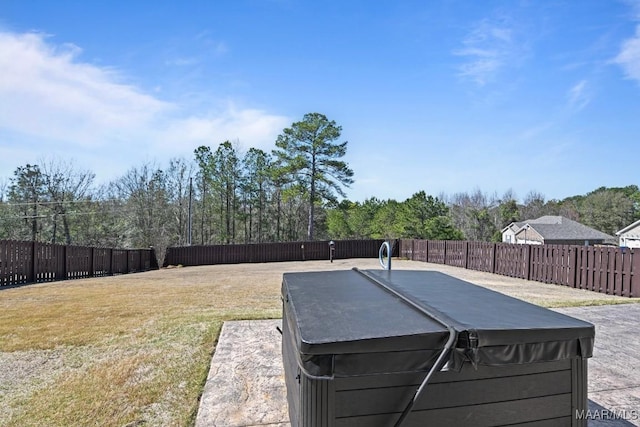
x: 246, y: 385
x: 614, y: 369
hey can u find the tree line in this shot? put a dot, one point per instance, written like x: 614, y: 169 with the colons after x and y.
x: 224, y: 195
x: 476, y: 215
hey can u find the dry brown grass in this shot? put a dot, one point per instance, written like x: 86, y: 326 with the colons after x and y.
x: 135, y: 349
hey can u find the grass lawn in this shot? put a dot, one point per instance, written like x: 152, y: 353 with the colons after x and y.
x: 134, y: 349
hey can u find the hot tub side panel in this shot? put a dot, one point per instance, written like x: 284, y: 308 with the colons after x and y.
x: 541, y: 394
x: 311, y: 399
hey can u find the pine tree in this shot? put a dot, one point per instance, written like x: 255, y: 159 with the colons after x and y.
x: 308, y: 154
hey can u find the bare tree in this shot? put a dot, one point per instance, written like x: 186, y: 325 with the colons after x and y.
x: 178, y: 178
x: 65, y: 187
x: 147, y: 208
x: 475, y: 214
x: 25, y: 197
x: 534, y: 205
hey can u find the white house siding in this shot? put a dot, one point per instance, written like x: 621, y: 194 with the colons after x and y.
x: 508, y: 236
x: 630, y: 241
x: 630, y: 238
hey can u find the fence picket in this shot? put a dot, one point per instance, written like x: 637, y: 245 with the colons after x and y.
x: 273, y: 252
x: 614, y: 271
x: 34, y: 262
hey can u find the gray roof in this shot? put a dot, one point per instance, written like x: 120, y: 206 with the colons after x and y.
x: 561, y: 228
x: 547, y: 219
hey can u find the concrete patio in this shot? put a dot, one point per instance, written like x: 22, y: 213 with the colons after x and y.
x: 245, y: 387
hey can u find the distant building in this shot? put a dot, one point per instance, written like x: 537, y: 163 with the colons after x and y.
x: 557, y: 230
x: 630, y: 235
x: 509, y: 232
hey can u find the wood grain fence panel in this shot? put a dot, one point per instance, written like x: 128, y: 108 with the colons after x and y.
x: 135, y: 264
x: 421, y: 250
x: 577, y: 259
x: 101, y: 261
x: 436, y: 251
x: 480, y: 256
x: 4, y: 263
x: 22, y: 259
x: 535, y: 263
x: 597, y: 270
x: 572, y: 272
x: 46, y: 262
x: 617, y: 281
x: 602, y: 269
x: 272, y: 252
x: 589, y: 266
x: 119, y: 261
x: 406, y: 249
x: 78, y: 262
x: 541, y: 271
x: 611, y: 271
x: 581, y: 263
x: 456, y: 254
x: 33, y: 262
x: 626, y: 274
x: 552, y: 265
x: 634, y: 289
x: 510, y: 260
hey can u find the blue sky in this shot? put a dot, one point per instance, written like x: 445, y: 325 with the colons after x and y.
x: 441, y: 96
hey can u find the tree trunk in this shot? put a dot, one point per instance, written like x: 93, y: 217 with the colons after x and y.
x: 312, y: 198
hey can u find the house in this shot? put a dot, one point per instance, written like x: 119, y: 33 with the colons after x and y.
x: 509, y: 232
x: 551, y: 229
x: 630, y: 235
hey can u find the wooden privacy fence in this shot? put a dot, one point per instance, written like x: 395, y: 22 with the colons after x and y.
x: 608, y: 270
x: 32, y: 262
x: 271, y: 252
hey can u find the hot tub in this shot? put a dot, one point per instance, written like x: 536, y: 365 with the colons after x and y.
x: 357, y: 345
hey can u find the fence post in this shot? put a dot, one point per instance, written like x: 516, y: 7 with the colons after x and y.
x: 527, y: 261
x: 634, y: 289
x: 32, y: 267
x: 444, y: 254
x: 65, y: 266
x: 92, y: 263
x: 573, y: 267
x: 494, y: 255
x: 465, y: 261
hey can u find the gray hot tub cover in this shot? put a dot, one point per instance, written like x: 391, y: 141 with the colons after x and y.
x: 345, y: 325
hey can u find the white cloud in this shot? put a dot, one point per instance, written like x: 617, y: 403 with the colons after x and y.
x: 488, y: 48
x: 51, y: 102
x: 578, y: 96
x: 216, y: 47
x: 629, y: 56
x: 535, y: 131
x: 47, y: 93
x: 252, y: 127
